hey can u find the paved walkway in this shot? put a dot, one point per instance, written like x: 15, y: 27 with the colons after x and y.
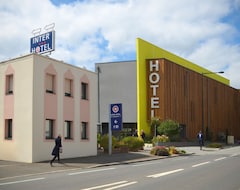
x: 14, y: 169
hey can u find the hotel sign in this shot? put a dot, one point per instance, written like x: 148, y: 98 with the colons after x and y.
x: 116, y: 117
x: 153, y: 81
x: 43, y: 43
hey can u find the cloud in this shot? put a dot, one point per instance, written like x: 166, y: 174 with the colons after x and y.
x: 90, y: 31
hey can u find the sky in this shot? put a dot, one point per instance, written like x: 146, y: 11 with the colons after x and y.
x: 205, y: 32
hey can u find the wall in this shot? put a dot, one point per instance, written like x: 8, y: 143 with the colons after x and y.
x: 30, y: 109
x: 67, y: 108
x: 20, y: 147
x: 146, y: 51
x: 118, y: 85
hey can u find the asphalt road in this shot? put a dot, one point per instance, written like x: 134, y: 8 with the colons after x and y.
x: 218, y: 170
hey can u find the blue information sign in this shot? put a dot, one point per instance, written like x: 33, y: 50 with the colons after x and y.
x: 43, y: 43
x: 116, y: 116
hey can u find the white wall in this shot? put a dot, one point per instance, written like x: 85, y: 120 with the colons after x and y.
x: 118, y: 85
x: 29, y: 144
x: 20, y: 147
x: 75, y: 147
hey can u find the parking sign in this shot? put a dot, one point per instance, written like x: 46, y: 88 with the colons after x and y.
x: 116, y: 116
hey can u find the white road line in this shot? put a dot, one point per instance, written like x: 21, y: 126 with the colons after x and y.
x: 165, y: 173
x: 1, y: 166
x: 233, y: 155
x: 105, y: 185
x: 90, y: 171
x: 218, y: 159
x: 22, y: 181
x: 34, y: 174
x: 144, y: 164
x: 7, y: 165
x: 123, y: 185
x: 203, y: 163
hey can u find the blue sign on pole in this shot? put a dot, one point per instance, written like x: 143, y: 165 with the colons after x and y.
x: 116, y: 116
x: 43, y: 43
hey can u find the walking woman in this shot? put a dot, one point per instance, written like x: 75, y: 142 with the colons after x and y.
x: 56, y: 149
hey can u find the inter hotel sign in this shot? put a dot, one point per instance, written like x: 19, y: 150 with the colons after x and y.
x: 43, y: 43
x: 153, y: 87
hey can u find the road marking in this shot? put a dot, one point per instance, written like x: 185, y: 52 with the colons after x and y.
x: 165, y: 173
x: 143, y: 164
x: 22, y: 181
x: 1, y: 166
x: 233, y: 155
x: 115, y: 185
x: 90, y: 171
x: 34, y: 174
x: 123, y: 185
x: 203, y: 163
x: 218, y: 159
x: 106, y: 185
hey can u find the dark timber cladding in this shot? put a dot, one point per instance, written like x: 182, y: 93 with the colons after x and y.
x: 178, y: 95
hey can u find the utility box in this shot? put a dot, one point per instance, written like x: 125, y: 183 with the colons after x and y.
x: 230, y: 139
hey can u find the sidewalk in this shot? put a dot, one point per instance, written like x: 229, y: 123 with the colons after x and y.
x: 10, y: 169
x: 14, y: 169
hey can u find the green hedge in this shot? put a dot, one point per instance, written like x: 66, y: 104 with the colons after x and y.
x: 105, y: 143
x: 133, y: 143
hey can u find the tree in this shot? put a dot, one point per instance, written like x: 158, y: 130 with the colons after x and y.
x: 169, y: 128
x: 155, y: 123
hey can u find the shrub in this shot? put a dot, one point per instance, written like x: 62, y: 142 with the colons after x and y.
x: 160, y: 138
x: 172, y: 150
x: 169, y: 128
x: 133, y: 143
x: 214, y: 145
x: 105, y: 143
x: 159, y: 151
x: 181, y: 152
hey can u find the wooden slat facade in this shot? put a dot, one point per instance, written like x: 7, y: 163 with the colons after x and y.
x: 181, y: 91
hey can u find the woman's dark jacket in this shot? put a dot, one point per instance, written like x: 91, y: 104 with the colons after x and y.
x: 58, y: 144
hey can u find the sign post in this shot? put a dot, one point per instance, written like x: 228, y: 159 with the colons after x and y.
x: 115, y: 122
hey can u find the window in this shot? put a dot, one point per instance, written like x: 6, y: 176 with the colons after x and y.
x: 50, y: 80
x: 8, y: 129
x: 9, y: 84
x: 68, y: 130
x: 84, y: 91
x: 68, y: 87
x: 84, y: 134
x: 49, y: 129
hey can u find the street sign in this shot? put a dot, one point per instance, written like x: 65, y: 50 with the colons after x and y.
x: 116, y: 117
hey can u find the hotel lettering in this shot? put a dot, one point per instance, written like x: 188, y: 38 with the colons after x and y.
x: 153, y: 87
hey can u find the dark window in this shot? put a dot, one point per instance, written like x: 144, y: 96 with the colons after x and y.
x: 8, y: 129
x: 84, y: 134
x: 49, y: 129
x: 9, y: 84
x: 68, y: 130
x: 50, y: 83
x: 84, y: 91
x: 68, y: 87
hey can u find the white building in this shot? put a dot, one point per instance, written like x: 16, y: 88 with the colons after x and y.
x: 40, y: 98
x: 118, y: 84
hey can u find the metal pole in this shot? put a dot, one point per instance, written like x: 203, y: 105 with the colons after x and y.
x: 202, y: 107
x: 99, y: 124
x: 109, y: 133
